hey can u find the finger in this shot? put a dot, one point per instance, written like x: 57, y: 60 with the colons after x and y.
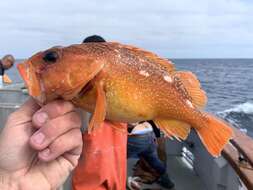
x: 29, y: 107
x: 25, y: 112
x: 53, y: 129
x: 50, y: 111
x: 70, y: 142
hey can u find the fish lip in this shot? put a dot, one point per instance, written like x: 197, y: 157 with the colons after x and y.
x: 33, y: 83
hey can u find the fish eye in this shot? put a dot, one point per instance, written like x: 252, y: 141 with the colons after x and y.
x: 51, y: 57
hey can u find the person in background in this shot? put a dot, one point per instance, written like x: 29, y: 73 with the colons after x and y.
x: 94, y: 38
x: 1, y: 74
x: 5, y: 63
x: 102, y: 165
x: 142, y: 143
x: 8, y: 61
x: 39, y: 146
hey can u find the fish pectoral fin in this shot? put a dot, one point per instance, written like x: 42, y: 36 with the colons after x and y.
x: 176, y: 128
x: 99, y: 114
x: 192, y: 86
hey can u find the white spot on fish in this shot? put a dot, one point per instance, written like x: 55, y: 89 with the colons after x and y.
x: 135, y: 96
x: 144, y: 73
x: 168, y: 78
x: 189, y: 103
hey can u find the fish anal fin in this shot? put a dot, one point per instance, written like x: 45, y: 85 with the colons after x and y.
x: 193, y: 88
x: 176, y: 128
x: 215, y: 134
x: 99, y: 114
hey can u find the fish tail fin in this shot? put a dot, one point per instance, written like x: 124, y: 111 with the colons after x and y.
x: 215, y: 134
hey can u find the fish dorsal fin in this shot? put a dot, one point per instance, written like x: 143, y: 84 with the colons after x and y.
x: 98, y: 116
x: 165, y: 63
x: 189, y: 82
x: 176, y: 128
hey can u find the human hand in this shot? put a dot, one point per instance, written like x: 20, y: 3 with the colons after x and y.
x: 39, y: 146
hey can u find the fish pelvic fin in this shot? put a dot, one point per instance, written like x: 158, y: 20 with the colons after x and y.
x: 174, y: 128
x: 215, y: 134
x: 99, y: 114
x: 192, y: 85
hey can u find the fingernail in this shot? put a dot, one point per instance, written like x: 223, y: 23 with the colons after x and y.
x: 41, y: 117
x: 45, y: 153
x: 38, y: 138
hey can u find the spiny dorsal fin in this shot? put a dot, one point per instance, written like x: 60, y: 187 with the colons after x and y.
x: 165, y: 63
x: 176, y: 128
x: 190, y: 83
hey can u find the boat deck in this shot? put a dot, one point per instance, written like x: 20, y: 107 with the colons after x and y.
x: 181, y: 173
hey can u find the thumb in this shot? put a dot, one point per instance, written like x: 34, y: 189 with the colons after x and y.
x: 24, y: 113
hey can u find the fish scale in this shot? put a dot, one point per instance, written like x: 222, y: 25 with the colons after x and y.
x: 122, y: 83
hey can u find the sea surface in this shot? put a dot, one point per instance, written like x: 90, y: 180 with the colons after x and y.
x: 227, y: 82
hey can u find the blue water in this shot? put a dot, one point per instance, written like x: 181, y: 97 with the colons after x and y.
x: 229, y: 87
x: 228, y: 83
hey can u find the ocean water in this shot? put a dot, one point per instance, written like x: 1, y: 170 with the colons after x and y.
x: 229, y: 87
x: 227, y: 82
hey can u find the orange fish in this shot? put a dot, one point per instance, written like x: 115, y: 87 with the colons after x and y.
x: 122, y: 83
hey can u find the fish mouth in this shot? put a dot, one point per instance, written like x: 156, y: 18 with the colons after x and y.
x: 32, y: 82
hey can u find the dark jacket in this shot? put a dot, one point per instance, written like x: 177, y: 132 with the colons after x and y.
x: 1, y: 68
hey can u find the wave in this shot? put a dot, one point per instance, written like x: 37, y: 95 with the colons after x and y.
x: 246, y: 108
x: 240, y: 116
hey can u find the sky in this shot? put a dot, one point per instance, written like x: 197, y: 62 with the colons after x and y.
x: 170, y: 28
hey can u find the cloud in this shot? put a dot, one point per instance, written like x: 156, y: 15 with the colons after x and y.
x: 185, y: 28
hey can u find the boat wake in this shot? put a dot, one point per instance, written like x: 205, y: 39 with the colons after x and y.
x: 240, y: 116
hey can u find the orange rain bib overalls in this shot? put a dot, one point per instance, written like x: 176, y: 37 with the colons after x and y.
x: 102, y: 165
